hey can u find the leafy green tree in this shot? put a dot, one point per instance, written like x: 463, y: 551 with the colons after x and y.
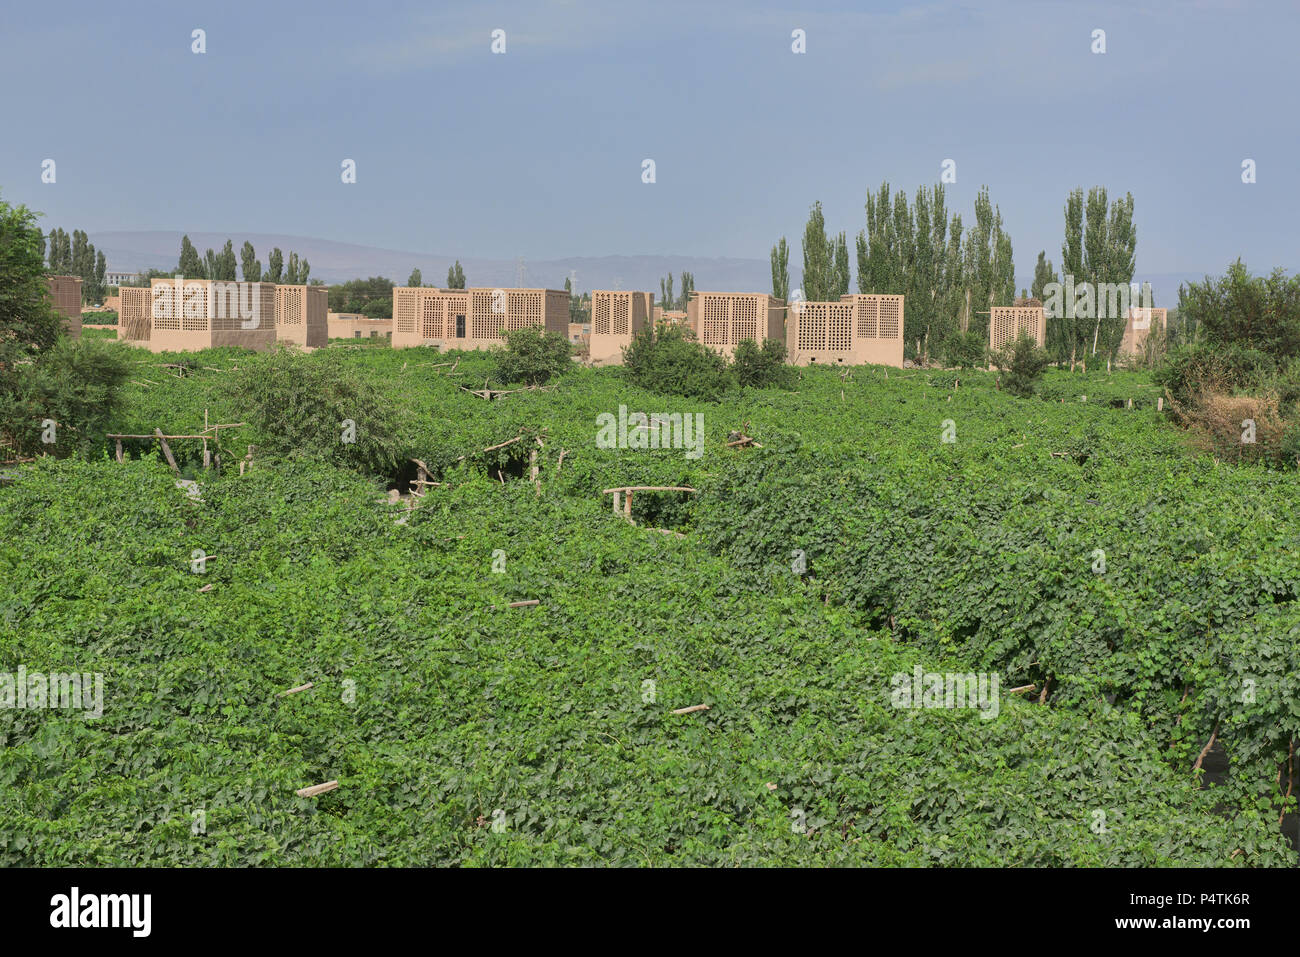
x: 1100, y: 248
x: 363, y: 296
x: 227, y: 265
x: 249, y: 263
x: 665, y: 361
x: 878, y: 268
x: 44, y: 375
x: 1023, y: 364
x: 989, y: 268
x: 274, y: 265
x: 688, y: 287
x: 415, y: 280
x: 761, y: 368
x: 456, y: 276
x: 781, y: 271
x: 1043, y: 274
x: 28, y: 324
x: 190, y: 264
x: 298, y: 403
x: 840, y: 267
x: 819, y: 277
x: 532, y: 356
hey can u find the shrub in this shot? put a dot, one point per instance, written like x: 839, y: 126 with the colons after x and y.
x: 1249, y: 312
x: 1023, y: 362
x: 78, y: 384
x: 669, y: 363
x: 760, y: 367
x: 965, y: 350
x: 301, y: 405
x: 533, y: 356
x: 1189, y: 371
x: 1238, y: 428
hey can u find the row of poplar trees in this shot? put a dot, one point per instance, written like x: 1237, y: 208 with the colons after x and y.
x: 222, y: 265
x: 950, y: 277
x: 76, y: 255
x: 1100, y: 247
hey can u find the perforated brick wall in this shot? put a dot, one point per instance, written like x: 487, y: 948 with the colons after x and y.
x: 1006, y: 323
x: 133, y: 314
x: 720, y: 320
x: 856, y: 330
x: 616, y: 317
x: 476, y: 318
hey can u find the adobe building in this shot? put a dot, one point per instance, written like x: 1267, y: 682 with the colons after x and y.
x: 1139, y: 325
x: 65, y: 293
x: 133, y: 321
x: 301, y: 315
x: 616, y: 318
x: 720, y: 320
x: 476, y: 318
x: 1006, y: 323
x: 860, y: 329
x: 203, y: 313
x: 353, y: 325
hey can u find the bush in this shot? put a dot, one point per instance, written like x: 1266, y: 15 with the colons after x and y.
x: 1189, y: 371
x: 316, y: 406
x: 1245, y: 311
x: 668, y: 363
x: 1024, y: 363
x: 966, y: 350
x: 760, y: 368
x: 533, y: 356
x: 78, y: 384
x: 1238, y: 428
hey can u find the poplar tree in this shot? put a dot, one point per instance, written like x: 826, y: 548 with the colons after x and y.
x: 249, y: 263
x: 818, y: 258
x: 189, y: 264
x: 781, y: 271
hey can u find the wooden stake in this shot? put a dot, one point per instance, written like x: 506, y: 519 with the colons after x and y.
x: 694, y: 707
x: 316, y: 789
x: 171, y: 459
x: 305, y: 687
x: 119, y: 450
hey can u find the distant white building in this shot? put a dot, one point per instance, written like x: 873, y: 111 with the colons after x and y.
x: 120, y: 278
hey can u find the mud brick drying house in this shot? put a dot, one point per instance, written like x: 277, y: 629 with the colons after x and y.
x: 65, y: 294
x: 1006, y: 323
x: 616, y: 317
x: 201, y: 313
x: 1140, y: 324
x: 302, y: 315
x: 720, y: 320
x: 856, y: 330
x: 476, y: 318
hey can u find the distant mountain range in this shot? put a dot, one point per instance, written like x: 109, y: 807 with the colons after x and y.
x: 334, y: 262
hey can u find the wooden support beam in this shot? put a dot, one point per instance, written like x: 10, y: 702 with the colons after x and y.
x: 167, y: 450
x: 316, y: 789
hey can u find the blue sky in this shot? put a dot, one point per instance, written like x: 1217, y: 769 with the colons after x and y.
x: 538, y: 152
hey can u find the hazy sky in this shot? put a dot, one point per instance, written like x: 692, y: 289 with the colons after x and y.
x: 538, y: 152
